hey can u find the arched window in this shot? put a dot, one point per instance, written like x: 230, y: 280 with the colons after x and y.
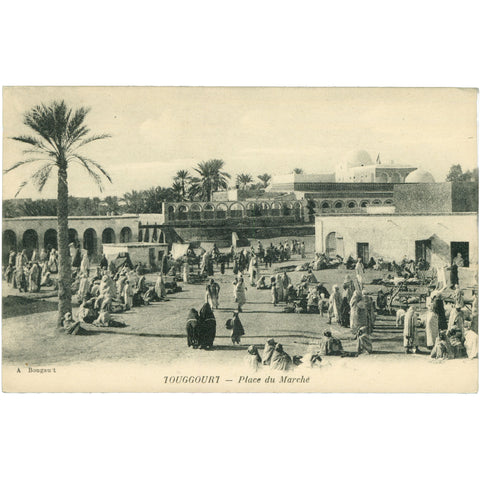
x: 108, y: 236
x: 396, y: 178
x: 90, y: 241
x: 125, y: 235
x: 171, y: 212
x: 377, y: 202
x: 50, y: 239
x: 364, y: 203
x: 9, y: 243
x: 389, y: 201
x: 264, y: 209
x: 382, y: 177
x: 236, y: 210
x: 338, y: 204
x: 351, y: 204
x: 208, y: 211
x: 72, y: 236
x: 182, y: 212
x: 250, y: 209
x: 276, y: 209
x: 287, y: 209
x: 325, y: 205
x: 195, y: 211
x: 30, y: 241
x: 221, y: 211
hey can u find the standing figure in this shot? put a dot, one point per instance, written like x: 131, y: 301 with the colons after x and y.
x: 127, y: 295
x: 335, y: 305
x: 431, y: 323
x: 85, y: 265
x: 212, y: 293
x: 268, y: 351
x: 438, y: 307
x: 360, y: 273
x: 410, y: 334
x: 237, y: 329
x: 33, y: 278
x: 253, y: 270
x: 456, y: 320
x: 207, y: 327
x: 192, y: 329
x: 358, y: 314
x: 240, y: 297
x: 160, y: 289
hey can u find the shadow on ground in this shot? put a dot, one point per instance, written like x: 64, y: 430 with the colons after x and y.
x: 15, y: 306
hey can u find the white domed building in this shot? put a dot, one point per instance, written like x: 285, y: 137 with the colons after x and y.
x: 419, y: 176
x: 358, y: 167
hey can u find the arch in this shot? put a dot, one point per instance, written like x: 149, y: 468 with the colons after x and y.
x: 208, y: 211
x: 396, y: 178
x: 351, y: 204
x: 382, y: 177
x: 287, y: 208
x: 236, y: 210
x: 30, y: 241
x: 182, y: 212
x: 126, y: 235
x: 108, y: 236
x: 376, y: 202
x: 171, y: 212
x: 50, y: 239
x: 140, y: 235
x: 364, y: 203
x: 195, y: 211
x: 326, y: 205
x: 338, y: 204
x: 264, y: 208
x: 9, y: 243
x: 388, y: 201
x: 90, y: 243
x: 276, y: 209
x: 72, y: 236
x: 221, y: 211
x: 251, y: 209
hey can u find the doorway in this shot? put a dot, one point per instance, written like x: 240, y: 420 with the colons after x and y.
x: 463, y: 249
x: 363, y: 252
x: 423, y: 251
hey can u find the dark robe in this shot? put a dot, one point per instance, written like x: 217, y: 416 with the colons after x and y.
x: 207, y: 327
x: 104, y: 263
x: 77, y: 259
x: 345, y: 312
x: 237, y: 329
x: 439, y: 308
x: 453, y: 275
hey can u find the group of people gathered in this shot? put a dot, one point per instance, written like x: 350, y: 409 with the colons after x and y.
x: 30, y: 273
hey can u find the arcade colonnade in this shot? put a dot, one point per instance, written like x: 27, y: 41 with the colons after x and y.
x: 198, y: 211
x: 90, y: 233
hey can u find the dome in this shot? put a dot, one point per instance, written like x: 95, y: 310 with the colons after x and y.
x: 419, y: 176
x: 358, y: 158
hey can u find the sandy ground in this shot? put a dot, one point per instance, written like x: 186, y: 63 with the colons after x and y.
x: 155, y: 338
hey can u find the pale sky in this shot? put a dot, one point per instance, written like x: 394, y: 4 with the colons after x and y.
x: 157, y: 131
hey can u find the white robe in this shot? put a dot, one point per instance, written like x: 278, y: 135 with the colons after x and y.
x: 471, y: 344
x: 431, y: 328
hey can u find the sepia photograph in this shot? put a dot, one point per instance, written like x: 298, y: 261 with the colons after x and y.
x: 239, y: 239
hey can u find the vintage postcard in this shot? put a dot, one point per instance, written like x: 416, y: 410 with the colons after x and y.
x: 187, y: 239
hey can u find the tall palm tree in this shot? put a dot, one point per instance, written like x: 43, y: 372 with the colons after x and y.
x: 244, y: 179
x: 211, y: 179
x: 298, y: 171
x: 59, y: 133
x: 265, y: 178
x: 182, y: 177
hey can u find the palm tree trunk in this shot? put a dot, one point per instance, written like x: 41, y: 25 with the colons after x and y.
x: 64, y: 261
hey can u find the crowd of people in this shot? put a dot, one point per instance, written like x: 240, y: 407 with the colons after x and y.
x: 451, y: 329
x: 30, y: 274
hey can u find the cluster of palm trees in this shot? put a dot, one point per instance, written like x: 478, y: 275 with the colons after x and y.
x: 210, y: 177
